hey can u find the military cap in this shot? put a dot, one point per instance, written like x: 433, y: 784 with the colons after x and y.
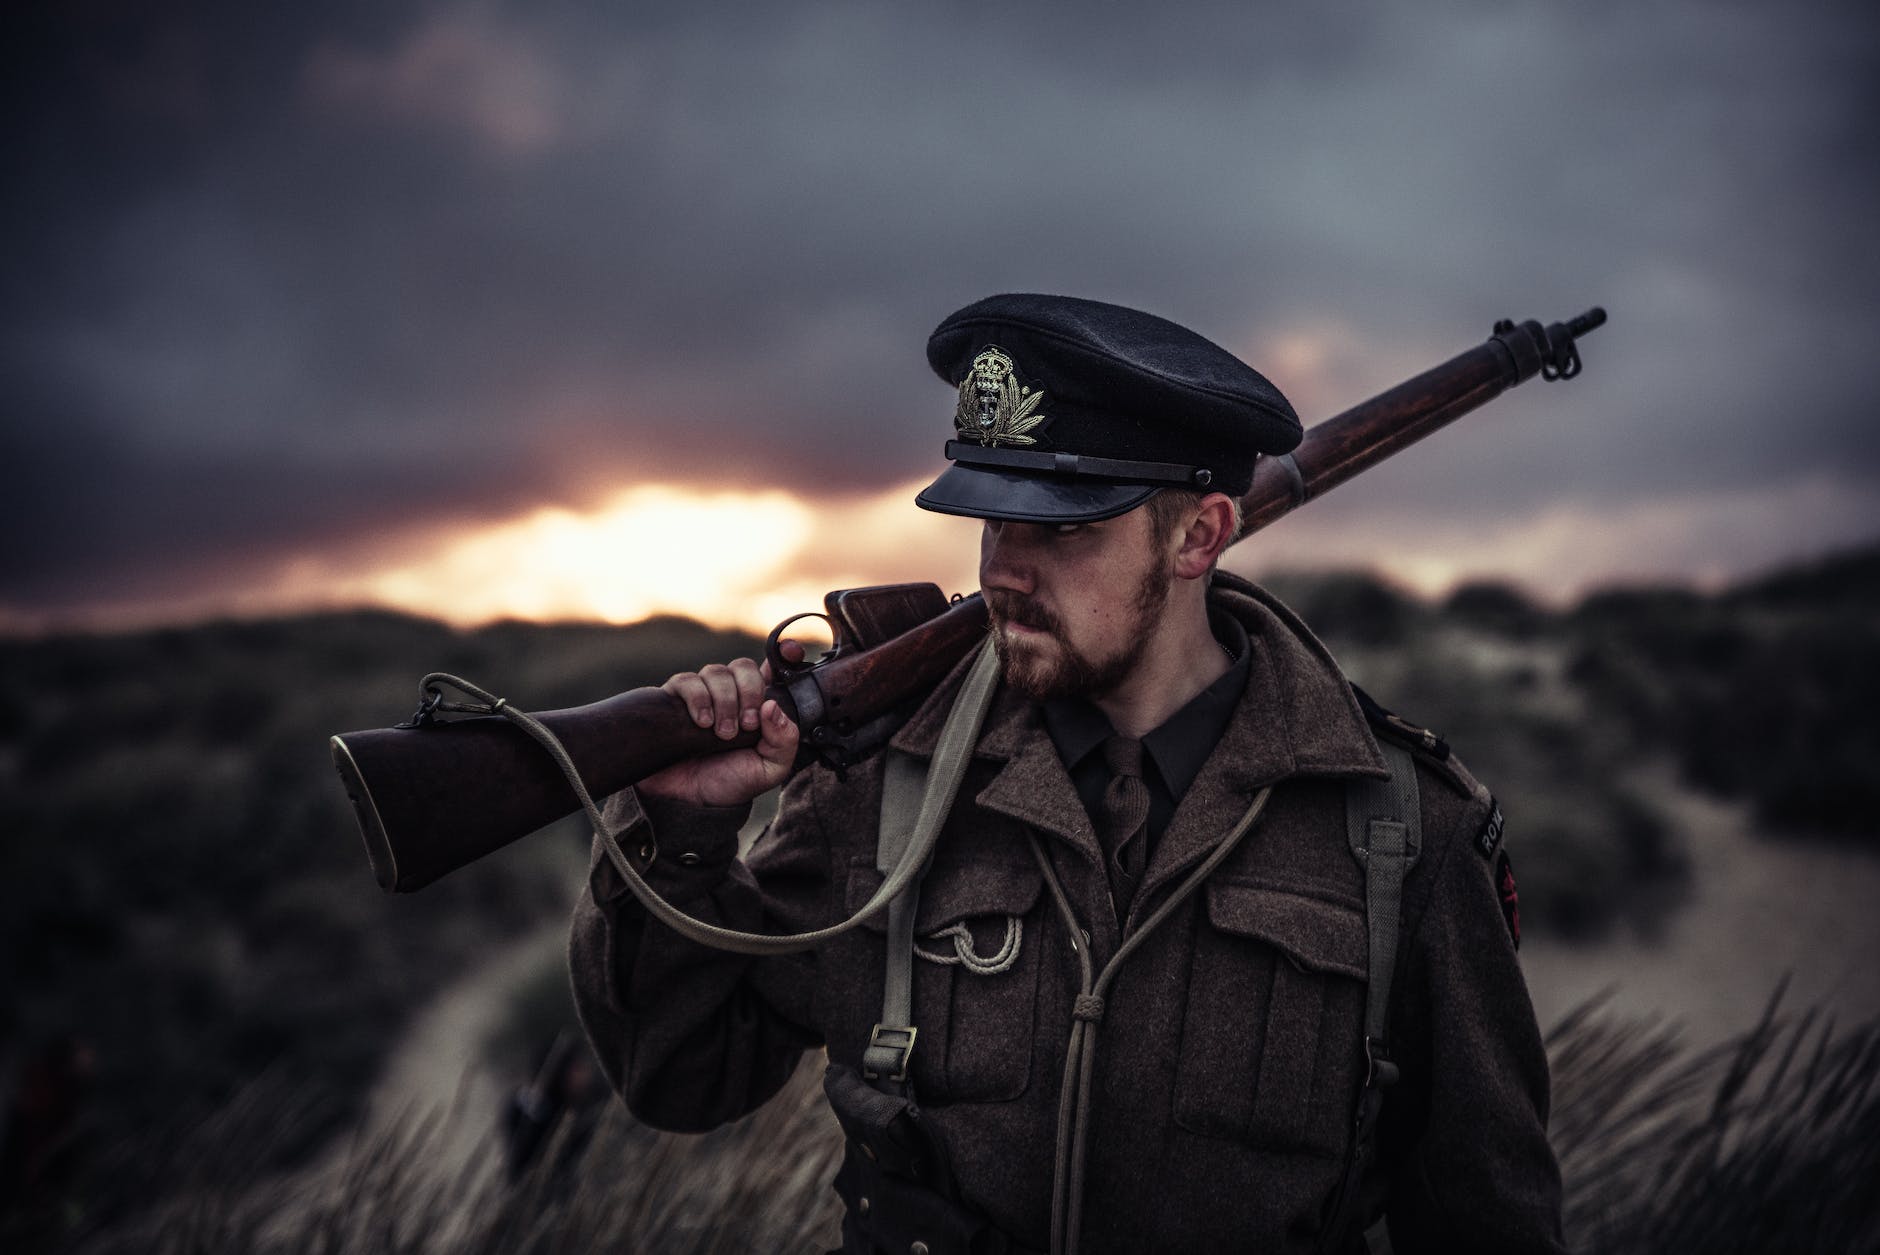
x: 1072, y: 411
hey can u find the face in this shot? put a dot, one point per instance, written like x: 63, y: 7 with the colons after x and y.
x: 1073, y: 607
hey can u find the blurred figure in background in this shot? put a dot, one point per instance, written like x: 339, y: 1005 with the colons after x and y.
x: 566, y: 1084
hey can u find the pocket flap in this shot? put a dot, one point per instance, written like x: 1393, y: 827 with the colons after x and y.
x: 990, y: 889
x: 1317, y: 935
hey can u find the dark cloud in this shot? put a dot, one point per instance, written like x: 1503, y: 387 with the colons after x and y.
x: 280, y: 276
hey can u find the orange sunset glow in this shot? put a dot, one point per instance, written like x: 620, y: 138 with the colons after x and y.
x: 753, y: 559
x: 733, y: 559
x: 479, y: 312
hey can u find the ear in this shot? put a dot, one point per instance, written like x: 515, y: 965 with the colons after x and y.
x: 1209, y: 531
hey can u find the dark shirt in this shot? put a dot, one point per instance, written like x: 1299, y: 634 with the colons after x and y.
x: 1172, y: 754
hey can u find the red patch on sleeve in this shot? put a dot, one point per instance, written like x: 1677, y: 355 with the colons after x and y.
x: 1510, y: 898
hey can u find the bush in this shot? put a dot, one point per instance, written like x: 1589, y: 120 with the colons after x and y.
x: 1354, y: 607
x: 1497, y: 608
x: 182, y: 886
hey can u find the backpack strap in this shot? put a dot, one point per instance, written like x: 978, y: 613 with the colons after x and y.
x: 916, y: 794
x: 1383, y: 825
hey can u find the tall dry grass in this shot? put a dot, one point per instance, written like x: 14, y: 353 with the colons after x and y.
x: 1769, y: 1142
x: 758, y: 1185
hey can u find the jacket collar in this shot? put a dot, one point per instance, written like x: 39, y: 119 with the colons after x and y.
x: 1032, y: 786
x: 1296, y: 717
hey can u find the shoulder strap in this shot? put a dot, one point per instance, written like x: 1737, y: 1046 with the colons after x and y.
x: 1383, y: 824
x: 1384, y: 827
x: 915, y: 797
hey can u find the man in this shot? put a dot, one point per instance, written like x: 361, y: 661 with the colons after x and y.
x: 1166, y: 774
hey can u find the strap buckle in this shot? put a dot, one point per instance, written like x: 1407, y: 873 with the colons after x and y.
x: 897, y: 1044
x: 1379, y: 1071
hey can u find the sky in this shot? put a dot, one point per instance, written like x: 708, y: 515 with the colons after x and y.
x: 595, y: 309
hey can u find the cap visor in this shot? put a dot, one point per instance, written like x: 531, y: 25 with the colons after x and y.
x: 1013, y: 498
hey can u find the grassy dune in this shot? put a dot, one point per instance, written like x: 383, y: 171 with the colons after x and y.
x: 182, y: 892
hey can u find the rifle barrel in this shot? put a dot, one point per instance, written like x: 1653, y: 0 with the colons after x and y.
x: 1364, y: 435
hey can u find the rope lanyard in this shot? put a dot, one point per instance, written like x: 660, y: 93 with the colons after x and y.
x: 1080, y: 1059
x: 949, y: 765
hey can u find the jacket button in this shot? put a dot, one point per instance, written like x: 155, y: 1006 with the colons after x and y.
x: 919, y: 1248
x: 646, y: 851
x: 689, y: 859
x: 862, y: 1206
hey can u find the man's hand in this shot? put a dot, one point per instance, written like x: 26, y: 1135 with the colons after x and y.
x: 727, y: 698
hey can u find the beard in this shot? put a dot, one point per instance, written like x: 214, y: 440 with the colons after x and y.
x: 1049, y: 667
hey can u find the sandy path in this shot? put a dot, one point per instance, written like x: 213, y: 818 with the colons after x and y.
x: 439, y: 1063
x: 1758, y: 908
x: 438, y: 1069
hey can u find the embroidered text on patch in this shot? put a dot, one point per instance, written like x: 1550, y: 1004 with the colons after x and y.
x: 1490, y: 836
x: 994, y: 409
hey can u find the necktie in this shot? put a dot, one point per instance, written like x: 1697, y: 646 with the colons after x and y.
x: 1123, y: 825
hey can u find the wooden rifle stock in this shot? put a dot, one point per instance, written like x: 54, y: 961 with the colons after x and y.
x: 433, y: 796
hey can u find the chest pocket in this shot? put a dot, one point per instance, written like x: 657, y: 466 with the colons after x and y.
x: 1272, y: 1037
x: 975, y: 1019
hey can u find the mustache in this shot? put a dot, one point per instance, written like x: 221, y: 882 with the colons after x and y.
x: 1010, y: 607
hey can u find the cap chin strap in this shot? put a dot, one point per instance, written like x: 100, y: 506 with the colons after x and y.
x: 1079, y: 465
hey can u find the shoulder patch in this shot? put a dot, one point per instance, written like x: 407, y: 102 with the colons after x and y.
x: 1488, y: 840
x: 1510, y: 898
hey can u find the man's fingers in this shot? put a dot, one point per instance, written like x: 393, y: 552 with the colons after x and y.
x: 724, y: 690
x: 791, y: 650
x: 691, y: 690
x: 750, y: 683
x: 725, y: 697
x: 777, y: 746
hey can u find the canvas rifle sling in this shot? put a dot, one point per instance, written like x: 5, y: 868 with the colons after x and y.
x: 913, y: 794
x: 949, y: 763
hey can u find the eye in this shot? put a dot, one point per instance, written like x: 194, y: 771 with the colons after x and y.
x: 1065, y: 529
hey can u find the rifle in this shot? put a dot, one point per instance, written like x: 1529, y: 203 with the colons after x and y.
x: 433, y: 795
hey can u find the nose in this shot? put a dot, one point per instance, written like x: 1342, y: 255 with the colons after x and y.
x: 1004, y: 559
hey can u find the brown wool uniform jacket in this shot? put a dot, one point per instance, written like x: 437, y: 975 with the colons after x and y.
x: 1230, y: 1056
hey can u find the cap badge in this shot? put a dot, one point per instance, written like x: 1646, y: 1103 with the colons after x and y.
x: 994, y: 409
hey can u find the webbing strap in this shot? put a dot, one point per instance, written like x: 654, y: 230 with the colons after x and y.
x: 1384, y: 826
x: 1385, y: 830
x: 949, y: 763
x: 915, y: 799
x: 904, y: 781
